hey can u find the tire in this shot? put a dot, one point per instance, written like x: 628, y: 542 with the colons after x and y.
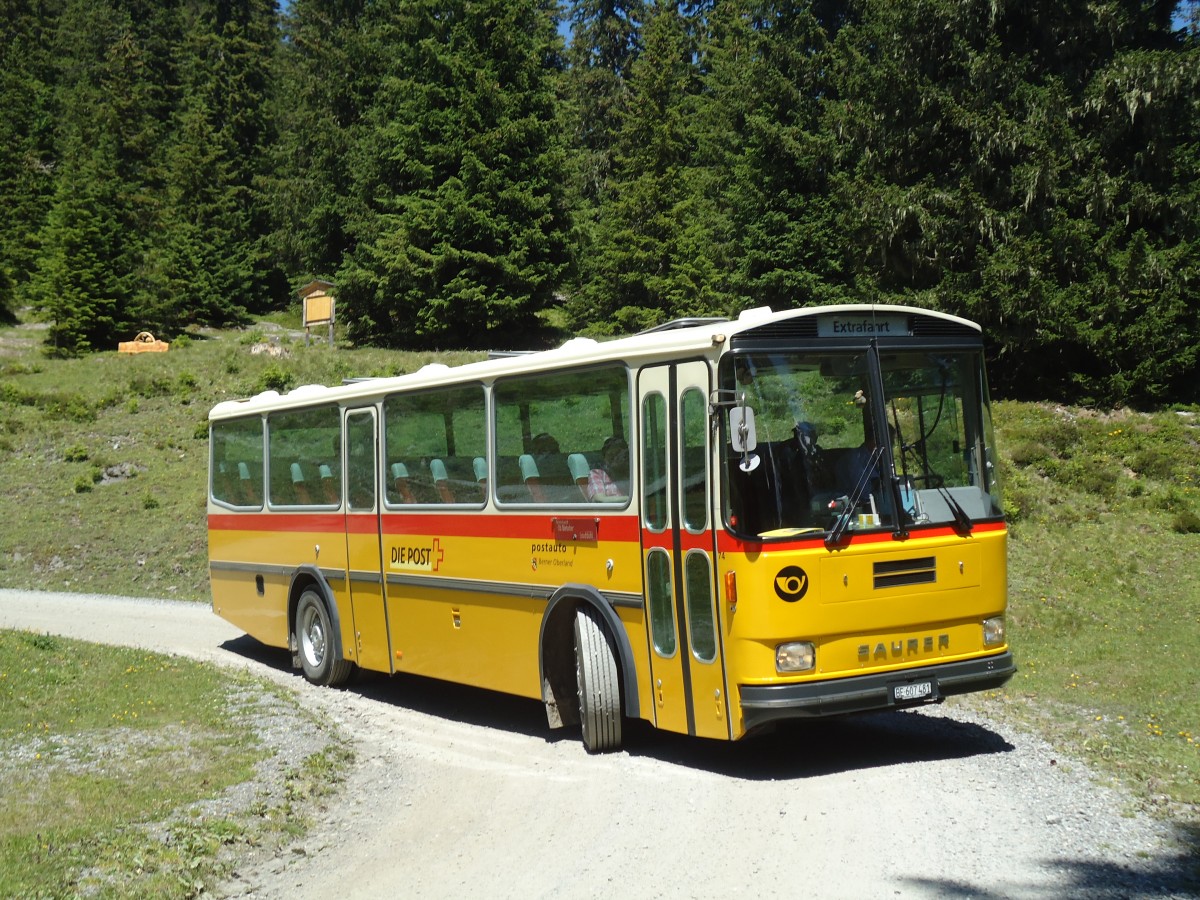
x: 314, y: 640
x: 598, y: 684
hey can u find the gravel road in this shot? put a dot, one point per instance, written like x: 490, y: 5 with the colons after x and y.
x: 458, y: 792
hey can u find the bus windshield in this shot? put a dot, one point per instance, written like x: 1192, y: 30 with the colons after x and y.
x: 817, y: 463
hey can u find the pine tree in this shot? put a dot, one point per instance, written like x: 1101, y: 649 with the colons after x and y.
x: 26, y: 140
x: 113, y: 83
x: 211, y: 263
x: 201, y: 267
x: 605, y: 42
x: 325, y: 74
x: 766, y: 67
x: 461, y: 239
x: 652, y: 260
x: 73, y: 286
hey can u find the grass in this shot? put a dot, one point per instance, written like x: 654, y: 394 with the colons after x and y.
x: 1104, y: 589
x: 104, y: 482
x: 101, y: 745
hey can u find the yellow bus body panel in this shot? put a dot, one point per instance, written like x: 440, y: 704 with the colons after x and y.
x: 857, y: 626
x: 274, y: 556
x: 447, y: 621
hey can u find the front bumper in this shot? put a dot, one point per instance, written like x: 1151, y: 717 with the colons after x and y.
x: 865, y: 693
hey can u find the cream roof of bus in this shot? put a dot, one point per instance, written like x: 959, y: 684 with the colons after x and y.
x: 638, y: 348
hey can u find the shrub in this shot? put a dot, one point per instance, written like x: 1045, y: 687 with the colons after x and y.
x: 1172, y: 499
x: 1093, y: 474
x: 1028, y: 453
x: 1058, y: 433
x: 72, y: 407
x: 1153, y: 462
x: 151, y: 386
x: 1186, y: 522
x: 18, y: 368
x: 274, y: 378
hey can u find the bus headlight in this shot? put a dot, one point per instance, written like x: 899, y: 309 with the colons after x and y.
x: 993, y: 631
x: 797, y: 656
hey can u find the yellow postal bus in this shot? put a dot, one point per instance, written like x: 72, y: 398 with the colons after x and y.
x: 712, y: 526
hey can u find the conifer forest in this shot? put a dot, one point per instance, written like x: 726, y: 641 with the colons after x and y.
x: 497, y: 173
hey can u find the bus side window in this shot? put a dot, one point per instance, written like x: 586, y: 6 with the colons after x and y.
x: 549, y: 429
x: 439, y: 434
x: 360, y: 462
x: 299, y: 442
x: 236, y: 461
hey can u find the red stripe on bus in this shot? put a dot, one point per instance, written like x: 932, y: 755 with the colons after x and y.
x: 288, y: 522
x: 541, y: 528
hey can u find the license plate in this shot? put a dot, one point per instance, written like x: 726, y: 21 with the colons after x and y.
x: 912, y: 693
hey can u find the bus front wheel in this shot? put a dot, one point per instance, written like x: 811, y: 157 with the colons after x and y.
x: 314, y: 638
x: 599, y: 686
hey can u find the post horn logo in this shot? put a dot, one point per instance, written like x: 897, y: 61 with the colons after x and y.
x: 791, y: 583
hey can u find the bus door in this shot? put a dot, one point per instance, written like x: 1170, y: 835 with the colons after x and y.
x: 678, y: 551
x: 364, y: 554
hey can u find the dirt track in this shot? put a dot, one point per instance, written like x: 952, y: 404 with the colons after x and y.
x: 459, y: 792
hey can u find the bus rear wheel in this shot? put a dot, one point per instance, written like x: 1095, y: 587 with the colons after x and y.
x: 314, y: 638
x: 598, y: 684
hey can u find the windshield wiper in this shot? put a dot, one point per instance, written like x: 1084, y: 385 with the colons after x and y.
x: 961, y: 519
x: 843, y: 521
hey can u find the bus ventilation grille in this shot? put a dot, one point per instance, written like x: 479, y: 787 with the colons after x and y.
x: 902, y: 572
x: 930, y: 328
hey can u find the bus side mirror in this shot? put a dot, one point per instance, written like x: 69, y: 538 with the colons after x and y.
x: 743, y: 436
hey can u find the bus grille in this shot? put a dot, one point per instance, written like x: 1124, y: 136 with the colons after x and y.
x: 901, y: 572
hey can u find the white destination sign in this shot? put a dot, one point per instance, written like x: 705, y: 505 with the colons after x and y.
x: 863, y: 325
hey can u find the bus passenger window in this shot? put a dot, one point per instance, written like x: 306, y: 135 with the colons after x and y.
x: 563, y: 437
x: 654, y: 461
x: 360, y: 461
x: 701, y: 619
x: 237, y: 461
x: 659, y: 599
x: 437, y: 439
x: 693, y: 463
x: 304, y: 445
